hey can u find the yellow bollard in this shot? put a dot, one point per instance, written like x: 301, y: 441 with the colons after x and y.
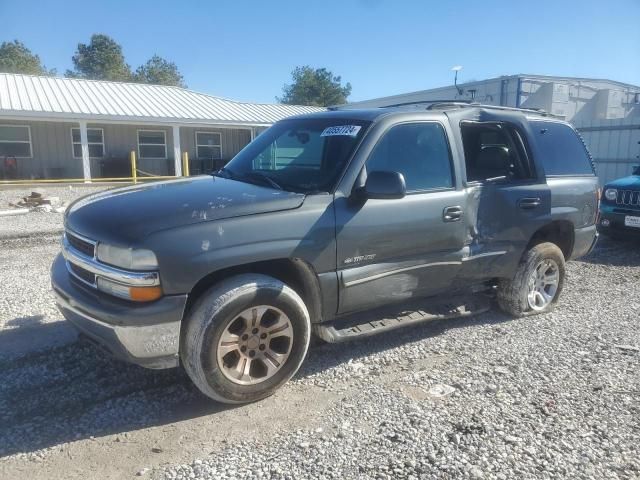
x: 134, y: 169
x: 185, y: 164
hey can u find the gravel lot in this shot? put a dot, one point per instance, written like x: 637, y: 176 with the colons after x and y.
x: 552, y: 396
x: 28, y: 245
x: 34, y: 223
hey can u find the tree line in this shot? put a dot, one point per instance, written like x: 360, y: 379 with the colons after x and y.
x: 102, y: 59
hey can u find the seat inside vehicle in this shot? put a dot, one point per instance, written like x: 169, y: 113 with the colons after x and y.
x: 491, y: 153
x: 493, y: 161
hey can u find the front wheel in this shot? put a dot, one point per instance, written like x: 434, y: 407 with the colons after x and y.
x: 244, y: 338
x: 537, y: 283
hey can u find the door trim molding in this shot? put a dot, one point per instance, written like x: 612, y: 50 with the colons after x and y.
x: 393, y: 272
x: 482, y: 255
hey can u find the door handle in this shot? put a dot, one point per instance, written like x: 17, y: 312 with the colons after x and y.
x: 529, y: 203
x: 452, y: 214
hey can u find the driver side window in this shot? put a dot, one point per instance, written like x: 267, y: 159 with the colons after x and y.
x: 419, y: 151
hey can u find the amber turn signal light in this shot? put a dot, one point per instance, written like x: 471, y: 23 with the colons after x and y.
x: 145, y: 294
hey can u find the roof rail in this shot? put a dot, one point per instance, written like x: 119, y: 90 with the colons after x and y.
x: 539, y: 111
x: 453, y: 103
x: 441, y: 104
x: 429, y: 102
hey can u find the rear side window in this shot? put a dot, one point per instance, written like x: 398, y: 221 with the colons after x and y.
x: 561, y: 149
x: 494, y: 151
x: 417, y: 150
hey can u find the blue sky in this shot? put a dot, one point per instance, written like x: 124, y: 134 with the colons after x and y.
x: 245, y: 50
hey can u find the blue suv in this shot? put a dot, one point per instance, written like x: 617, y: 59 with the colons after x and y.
x: 620, y: 206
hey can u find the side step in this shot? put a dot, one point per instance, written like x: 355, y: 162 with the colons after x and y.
x: 366, y: 324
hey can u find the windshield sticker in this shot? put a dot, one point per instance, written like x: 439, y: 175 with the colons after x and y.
x: 344, y: 130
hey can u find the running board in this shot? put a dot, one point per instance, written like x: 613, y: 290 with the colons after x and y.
x: 366, y: 324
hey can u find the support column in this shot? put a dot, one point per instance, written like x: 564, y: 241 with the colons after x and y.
x: 177, y: 151
x: 86, y: 163
x: 253, y: 133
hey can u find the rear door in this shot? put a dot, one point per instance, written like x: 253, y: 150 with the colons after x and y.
x: 508, y: 198
x: 393, y: 250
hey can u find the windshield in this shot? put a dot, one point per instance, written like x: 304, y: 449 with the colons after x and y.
x: 298, y: 155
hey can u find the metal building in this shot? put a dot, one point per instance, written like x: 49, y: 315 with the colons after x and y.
x: 607, y: 113
x: 63, y: 128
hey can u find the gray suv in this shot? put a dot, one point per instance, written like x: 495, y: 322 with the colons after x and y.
x: 337, y: 225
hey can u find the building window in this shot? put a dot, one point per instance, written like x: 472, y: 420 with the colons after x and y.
x: 95, y: 139
x: 15, y: 141
x: 209, y: 145
x: 152, y: 144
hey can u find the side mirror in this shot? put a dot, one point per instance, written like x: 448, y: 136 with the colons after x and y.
x: 385, y: 185
x: 636, y: 170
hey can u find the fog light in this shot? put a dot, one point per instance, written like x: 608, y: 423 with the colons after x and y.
x: 605, y: 222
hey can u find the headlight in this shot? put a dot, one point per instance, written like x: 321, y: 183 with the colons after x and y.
x: 611, y: 194
x: 127, y: 258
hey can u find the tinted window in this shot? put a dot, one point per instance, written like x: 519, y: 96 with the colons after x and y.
x: 562, y: 151
x: 301, y: 155
x: 494, y: 151
x: 419, y: 151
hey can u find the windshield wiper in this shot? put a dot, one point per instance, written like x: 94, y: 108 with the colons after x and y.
x: 261, y: 178
x: 223, y: 173
x: 265, y: 179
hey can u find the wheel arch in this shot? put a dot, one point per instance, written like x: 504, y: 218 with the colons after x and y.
x: 295, y: 272
x: 558, y: 232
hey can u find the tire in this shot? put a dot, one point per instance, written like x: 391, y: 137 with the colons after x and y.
x: 516, y: 297
x: 276, y: 319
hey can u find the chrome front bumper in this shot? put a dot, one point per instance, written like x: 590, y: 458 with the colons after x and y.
x: 147, y: 335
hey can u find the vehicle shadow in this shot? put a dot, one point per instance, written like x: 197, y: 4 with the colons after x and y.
x: 617, y: 253
x: 76, y: 391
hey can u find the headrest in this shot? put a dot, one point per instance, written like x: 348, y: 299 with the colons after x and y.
x: 494, y: 158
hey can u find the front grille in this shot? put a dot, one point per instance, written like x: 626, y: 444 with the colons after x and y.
x: 83, y: 274
x: 628, y: 198
x: 84, y: 247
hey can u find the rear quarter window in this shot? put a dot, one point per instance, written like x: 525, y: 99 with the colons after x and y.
x: 561, y: 150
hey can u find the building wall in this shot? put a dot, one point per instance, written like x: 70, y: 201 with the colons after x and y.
x: 52, y: 151
x: 121, y: 139
x: 233, y: 140
x: 614, y: 145
x: 578, y: 100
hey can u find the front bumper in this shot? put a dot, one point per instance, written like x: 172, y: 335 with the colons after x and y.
x: 147, y: 334
x: 612, y: 221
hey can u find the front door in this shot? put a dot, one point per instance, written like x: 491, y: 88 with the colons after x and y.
x: 394, y: 250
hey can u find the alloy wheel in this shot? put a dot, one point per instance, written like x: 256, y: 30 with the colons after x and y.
x: 543, y: 284
x: 255, y: 345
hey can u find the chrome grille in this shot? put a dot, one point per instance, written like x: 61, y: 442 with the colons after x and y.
x: 82, y: 274
x: 82, y: 245
x: 629, y: 198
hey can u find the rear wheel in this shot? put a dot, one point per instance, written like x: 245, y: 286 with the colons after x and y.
x: 245, y: 338
x: 537, y: 283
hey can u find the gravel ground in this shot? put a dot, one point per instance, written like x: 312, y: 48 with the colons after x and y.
x: 550, y: 396
x: 37, y: 223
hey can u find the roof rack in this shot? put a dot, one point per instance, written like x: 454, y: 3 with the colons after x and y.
x: 457, y: 103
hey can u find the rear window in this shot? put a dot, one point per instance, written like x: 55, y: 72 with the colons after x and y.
x: 561, y: 149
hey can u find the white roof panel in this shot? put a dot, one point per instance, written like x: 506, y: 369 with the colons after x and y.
x: 39, y: 96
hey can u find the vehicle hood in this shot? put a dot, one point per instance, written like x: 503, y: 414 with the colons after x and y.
x: 632, y: 181
x: 125, y: 215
